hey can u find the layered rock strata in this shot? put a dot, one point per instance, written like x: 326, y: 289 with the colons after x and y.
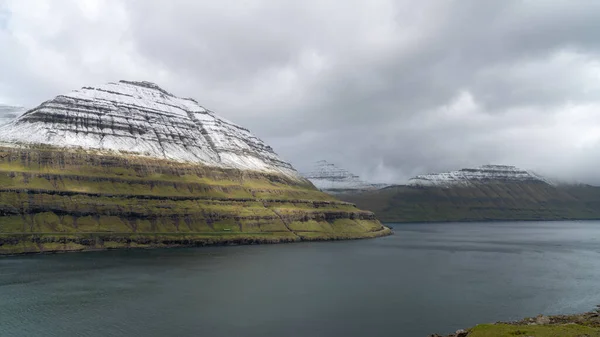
x: 94, y: 170
x: 143, y: 119
x: 482, y: 174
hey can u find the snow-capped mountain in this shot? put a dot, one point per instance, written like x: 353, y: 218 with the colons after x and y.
x: 330, y: 178
x: 9, y: 112
x: 482, y: 174
x: 140, y: 118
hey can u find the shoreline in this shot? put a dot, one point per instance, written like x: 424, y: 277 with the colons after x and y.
x: 84, y: 242
x: 485, y: 220
x: 576, y: 325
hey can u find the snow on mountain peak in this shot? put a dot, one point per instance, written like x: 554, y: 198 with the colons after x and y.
x: 144, y: 119
x: 330, y: 178
x: 478, y: 175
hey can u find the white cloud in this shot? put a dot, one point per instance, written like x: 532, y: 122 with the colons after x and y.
x: 385, y: 88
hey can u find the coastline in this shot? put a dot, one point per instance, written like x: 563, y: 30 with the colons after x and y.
x: 56, y: 199
x: 51, y: 243
x: 486, y: 221
x: 577, y: 325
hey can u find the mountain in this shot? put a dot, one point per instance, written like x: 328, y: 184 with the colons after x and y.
x: 143, y: 119
x: 331, y: 179
x: 129, y: 164
x: 478, y: 175
x: 489, y: 192
x: 9, y: 112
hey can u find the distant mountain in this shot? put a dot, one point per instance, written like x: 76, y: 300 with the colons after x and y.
x: 489, y: 192
x: 332, y: 179
x: 478, y: 175
x: 9, y: 112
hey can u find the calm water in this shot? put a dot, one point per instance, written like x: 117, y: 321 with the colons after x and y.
x: 425, y: 279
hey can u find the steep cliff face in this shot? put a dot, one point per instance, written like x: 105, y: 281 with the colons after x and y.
x: 130, y: 165
x: 480, y: 194
x: 334, y: 180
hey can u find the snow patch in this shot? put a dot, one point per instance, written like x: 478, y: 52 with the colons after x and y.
x: 478, y: 175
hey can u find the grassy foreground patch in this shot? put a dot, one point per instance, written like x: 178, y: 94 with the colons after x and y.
x: 507, y: 330
x: 578, y: 325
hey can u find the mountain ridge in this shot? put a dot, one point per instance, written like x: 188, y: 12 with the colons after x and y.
x: 478, y: 174
x: 144, y: 119
x: 130, y: 165
x: 485, y: 193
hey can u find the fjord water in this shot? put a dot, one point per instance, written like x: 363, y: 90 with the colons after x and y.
x: 426, y: 278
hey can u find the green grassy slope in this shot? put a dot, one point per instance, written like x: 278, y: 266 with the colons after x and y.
x: 491, y: 201
x: 578, y: 325
x: 506, y: 330
x: 56, y: 200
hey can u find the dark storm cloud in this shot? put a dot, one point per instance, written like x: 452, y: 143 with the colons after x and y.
x: 388, y: 89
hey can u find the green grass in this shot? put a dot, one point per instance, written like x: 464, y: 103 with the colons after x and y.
x: 311, y: 226
x: 79, y: 200
x: 57, y: 241
x: 505, y: 330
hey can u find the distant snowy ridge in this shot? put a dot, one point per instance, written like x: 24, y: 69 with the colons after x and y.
x: 330, y: 178
x: 142, y: 118
x: 478, y: 175
x: 9, y: 112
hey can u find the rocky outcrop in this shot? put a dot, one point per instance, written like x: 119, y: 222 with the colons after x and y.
x: 334, y: 180
x: 107, y: 167
x: 458, y: 333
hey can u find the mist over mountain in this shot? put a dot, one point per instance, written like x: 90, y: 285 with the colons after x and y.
x: 333, y: 179
x: 483, y: 193
x: 9, y: 112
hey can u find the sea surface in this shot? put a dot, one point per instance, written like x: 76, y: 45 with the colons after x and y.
x: 427, y: 278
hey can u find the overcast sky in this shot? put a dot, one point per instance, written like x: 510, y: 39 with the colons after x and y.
x: 386, y: 89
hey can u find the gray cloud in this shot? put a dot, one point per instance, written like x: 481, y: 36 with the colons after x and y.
x: 387, y: 89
